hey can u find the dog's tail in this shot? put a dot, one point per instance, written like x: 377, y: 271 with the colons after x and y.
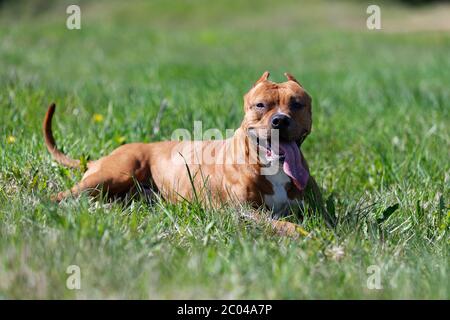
x: 51, y: 144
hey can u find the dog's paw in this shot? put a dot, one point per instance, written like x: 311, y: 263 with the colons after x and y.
x: 289, y: 229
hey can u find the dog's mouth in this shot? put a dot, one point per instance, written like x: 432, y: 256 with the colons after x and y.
x: 272, y: 152
x: 277, y: 149
x: 287, y: 153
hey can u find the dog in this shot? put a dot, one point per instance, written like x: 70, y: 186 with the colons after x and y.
x: 250, y: 167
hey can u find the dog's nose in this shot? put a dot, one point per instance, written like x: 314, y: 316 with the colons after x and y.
x: 280, y: 121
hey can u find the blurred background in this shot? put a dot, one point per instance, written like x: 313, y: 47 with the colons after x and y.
x: 135, y: 54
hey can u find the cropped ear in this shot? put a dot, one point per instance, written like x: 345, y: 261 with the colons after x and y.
x: 264, y: 77
x: 290, y: 77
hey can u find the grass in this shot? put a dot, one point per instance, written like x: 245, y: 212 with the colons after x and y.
x: 380, y: 139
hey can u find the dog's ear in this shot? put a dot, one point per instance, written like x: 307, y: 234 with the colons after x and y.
x: 264, y: 77
x: 290, y: 77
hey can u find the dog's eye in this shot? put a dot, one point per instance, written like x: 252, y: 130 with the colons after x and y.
x: 260, y: 105
x: 297, y: 105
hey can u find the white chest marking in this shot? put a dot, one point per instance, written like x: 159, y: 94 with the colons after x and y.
x: 278, y: 201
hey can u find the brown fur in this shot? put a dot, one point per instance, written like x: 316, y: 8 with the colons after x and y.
x: 152, y: 164
x: 51, y: 144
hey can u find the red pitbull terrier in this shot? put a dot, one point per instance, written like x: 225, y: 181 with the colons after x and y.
x: 261, y: 164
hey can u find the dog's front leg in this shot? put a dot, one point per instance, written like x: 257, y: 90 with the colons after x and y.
x: 283, y: 228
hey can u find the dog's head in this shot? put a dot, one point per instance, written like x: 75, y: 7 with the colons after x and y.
x: 278, y: 119
x: 285, y: 107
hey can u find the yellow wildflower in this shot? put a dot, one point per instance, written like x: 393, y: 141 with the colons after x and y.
x: 10, y: 139
x: 97, y: 118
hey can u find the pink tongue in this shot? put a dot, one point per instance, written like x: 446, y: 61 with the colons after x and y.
x: 293, y: 165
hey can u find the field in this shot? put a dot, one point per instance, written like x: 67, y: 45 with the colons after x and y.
x: 379, y: 148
